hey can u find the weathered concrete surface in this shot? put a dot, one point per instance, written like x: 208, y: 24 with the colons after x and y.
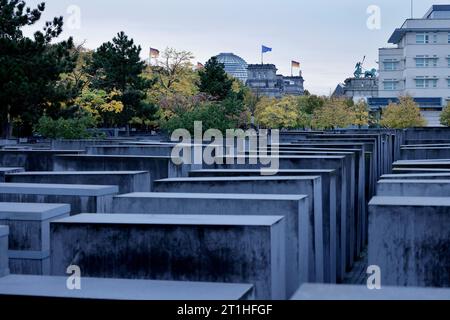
x: 409, y: 239
x: 293, y: 208
x: 127, y: 181
x: 353, y: 292
x: 82, y: 144
x: 141, y: 150
x: 4, y: 171
x: 29, y: 236
x: 82, y: 198
x: 418, y: 170
x: 235, y: 249
x: 122, y: 289
x: 346, y: 179
x: 423, y: 164
x: 356, y: 164
x: 414, y: 188
x: 159, y: 167
x: 417, y: 176
x: 309, y: 186
x: 425, y: 152
x: 4, y: 264
x: 32, y: 160
x: 330, y: 189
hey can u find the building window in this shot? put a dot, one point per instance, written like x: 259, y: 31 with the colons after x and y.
x: 390, y: 85
x: 422, y: 38
x: 390, y: 65
x: 448, y: 82
x: 425, y: 83
x: 426, y: 61
x: 448, y: 38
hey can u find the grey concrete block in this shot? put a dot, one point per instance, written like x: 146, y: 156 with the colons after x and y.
x: 293, y: 208
x: 6, y: 170
x: 32, y: 160
x: 414, y: 188
x: 330, y: 190
x: 409, y: 240
x: 4, y: 264
x: 29, y: 236
x: 159, y: 167
x: 355, y: 292
x: 127, y: 181
x: 122, y: 289
x: 141, y: 150
x: 92, y: 198
x: 235, y: 249
x: 309, y: 186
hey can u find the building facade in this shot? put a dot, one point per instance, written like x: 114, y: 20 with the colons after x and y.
x: 234, y: 65
x: 263, y: 80
x: 357, y: 89
x: 419, y: 64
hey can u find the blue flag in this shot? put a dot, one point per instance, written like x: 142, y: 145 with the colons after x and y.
x: 265, y: 49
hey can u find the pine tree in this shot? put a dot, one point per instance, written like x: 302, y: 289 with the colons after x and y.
x: 214, y: 80
x: 30, y: 67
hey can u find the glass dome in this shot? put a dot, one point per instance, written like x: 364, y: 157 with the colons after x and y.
x: 234, y: 65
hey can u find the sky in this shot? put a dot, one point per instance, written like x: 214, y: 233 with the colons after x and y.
x: 327, y: 37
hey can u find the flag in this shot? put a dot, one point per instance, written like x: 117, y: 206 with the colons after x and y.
x: 295, y: 64
x: 154, y: 53
x: 200, y: 65
x: 265, y: 49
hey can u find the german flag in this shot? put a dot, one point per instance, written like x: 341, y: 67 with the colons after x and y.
x: 154, y: 53
x: 295, y: 64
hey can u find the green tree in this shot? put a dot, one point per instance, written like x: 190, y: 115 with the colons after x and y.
x: 359, y: 113
x: 335, y: 113
x: 214, y: 80
x: 445, y: 116
x: 405, y: 114
x: 117, y: 66
x: 75, y: 128
x: 30, y: 67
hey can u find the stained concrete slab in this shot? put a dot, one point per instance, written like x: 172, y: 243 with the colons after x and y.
x: 94, y: 198
x: 293, y: 208
x: 29, y: 236
x: 330, y: 190
x: 214, y: 248
x: 4, y: 263
x: 122, y: 289
x: 158, y: 166
x: 355, y: 292
x: 32, y: 160
x: 409, y: 240
x: 309, y: 186
x: 126, y: 181
x: 416, y: 176
x: 411, y: 187
x: 6, y: 170
x: 345, y: 178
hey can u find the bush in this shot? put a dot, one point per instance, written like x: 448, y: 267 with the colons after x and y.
x: 76, y: 128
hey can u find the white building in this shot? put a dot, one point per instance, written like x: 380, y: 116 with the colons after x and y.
x: 419, y: 64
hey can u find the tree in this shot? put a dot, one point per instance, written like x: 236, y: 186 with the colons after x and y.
x: 405, y: 114
x: 214, y: 80
x: 30, y: 67
x: 333, y: 114
x: 445, y: 116
x: 277, y: 114
x: 117, y: 66
x: 360, y: 114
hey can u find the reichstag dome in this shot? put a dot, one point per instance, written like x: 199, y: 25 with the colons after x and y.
x: 234, y: 65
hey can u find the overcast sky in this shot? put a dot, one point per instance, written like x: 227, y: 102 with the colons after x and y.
x: 328, y: 37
